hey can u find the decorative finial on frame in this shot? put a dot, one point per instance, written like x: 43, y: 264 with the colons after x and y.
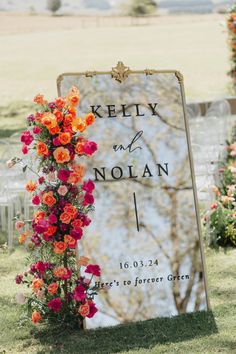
x: 120, y: 72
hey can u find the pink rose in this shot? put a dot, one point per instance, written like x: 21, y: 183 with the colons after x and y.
x: 88, y: 186
x: 62, y: 190
x: 51, y: 176
x: 90, y: 147
x: 93, y: 269
x: 56, y: 142
x: 19, y: 224
x: 37, y: 130
x: 27, y: 138
x: 41, y: 226
x: 92, y: 309
x: 24, y: 149
x: 63, y: 174
x: 36, y: 200
x: 55, y: 304
x: 52, y: 219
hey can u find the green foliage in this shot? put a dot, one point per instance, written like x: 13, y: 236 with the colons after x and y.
x: 141, y: 7
x: 53, y: 5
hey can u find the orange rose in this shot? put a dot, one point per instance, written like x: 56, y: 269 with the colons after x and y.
x: 42, y: 149
x: 78, y: 125
x: 60, y: 102
x: 68, y: 119
x: 84, y: 309
x: 70, y: 209
x: 65, y: 218
x: 36, y: 317
x: 37, y: 284
x: 54, y: 130
x: 49, y: 120
x: 61, y: 155
x: 49, y: 199
x: 39, y: 215
x: 58, y: 115
x: 23, y: 237
x: 83, y: 261
x: 60, y: 272
x: 59, y: 247
x: 89, y: 118
x: 70, y: 241
x: 72, y: 110
x: 79, y: 148
x: 39, y: 99
x: 74, y: 178
x: 64, y: 138
x: 52, y: 288
x: 31, y: 186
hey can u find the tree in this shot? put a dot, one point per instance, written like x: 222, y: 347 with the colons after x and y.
x: 53, y: 5
x: 141, y: 7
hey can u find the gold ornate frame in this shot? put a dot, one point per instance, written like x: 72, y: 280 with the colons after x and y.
x: 120, y: 73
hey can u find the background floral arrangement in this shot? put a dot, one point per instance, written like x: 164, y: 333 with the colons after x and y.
x: 220, y: 221
x: 231, y: 24
x: 61, y: 284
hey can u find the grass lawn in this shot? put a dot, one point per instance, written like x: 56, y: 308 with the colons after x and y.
x: 36, y: 49
x: 202, y: 332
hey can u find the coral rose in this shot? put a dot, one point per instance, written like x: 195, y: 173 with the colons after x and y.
x: 61, y: 155
x: 64, y: 138
x: 62, y: 272
x: 69, y: 208
x: 37, y: 284
x: 84, y: 309
x: 49, y: 199
x: 42, y: 149
x: 54, y: 130
x: 39, y: 99
x: 23, y: 237
x: 31, y: 186
x: 65, y: 218
x: 60, y: 102
x: 70, y: 241
x: 83, y: 261
x: 59, y: 247
x: 36, y: 317
x: 52, y: 288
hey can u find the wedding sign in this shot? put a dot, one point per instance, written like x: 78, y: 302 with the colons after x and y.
x: 145, y: 233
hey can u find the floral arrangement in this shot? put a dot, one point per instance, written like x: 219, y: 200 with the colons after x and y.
x: 220, y: 221
x: 231, y: 25
x: 61, y: 283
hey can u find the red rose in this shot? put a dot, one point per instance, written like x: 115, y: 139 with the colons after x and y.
x: 93, y: 269
x: 63, y: 174
x: 88, y: 199
x: 55, y: 304
x: 79, y: 293
x: 24, y: 149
